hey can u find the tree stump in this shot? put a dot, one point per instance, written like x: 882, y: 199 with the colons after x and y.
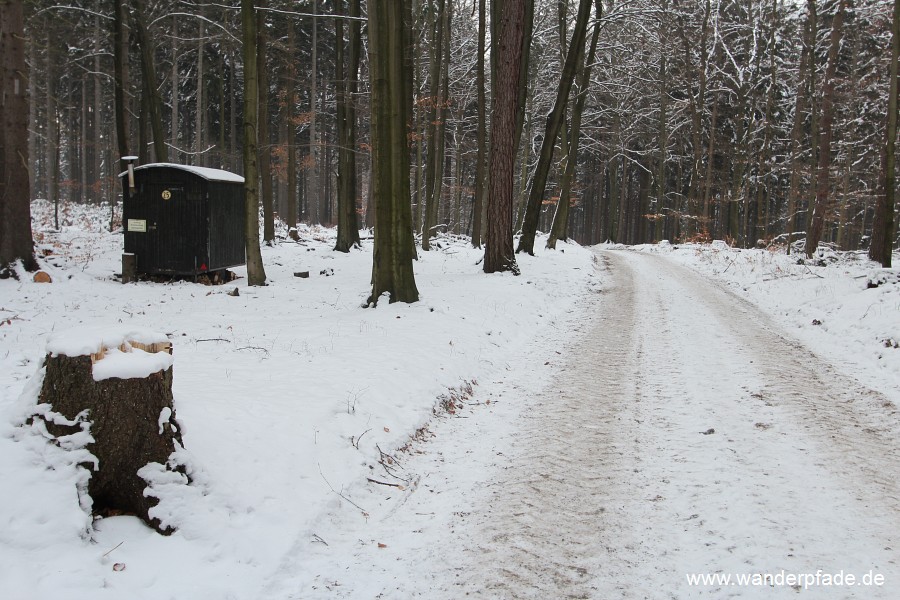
x: 118, y: 383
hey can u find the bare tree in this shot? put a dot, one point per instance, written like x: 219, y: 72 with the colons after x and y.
x: 345, y: 80
x: 15, y: 193
x: 151, y: 87
x: 883, y: 227
x: 817, y: 225
x: 552, y: 128
x: 256, y: 273
x: 499, y: 255
x: 265, y: 152
x: 392, y: 270
x: 559, y: 230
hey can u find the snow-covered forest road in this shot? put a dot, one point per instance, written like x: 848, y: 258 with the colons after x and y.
x: 678, y: 432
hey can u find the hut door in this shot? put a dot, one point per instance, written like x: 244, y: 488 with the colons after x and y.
x: 166, y: 230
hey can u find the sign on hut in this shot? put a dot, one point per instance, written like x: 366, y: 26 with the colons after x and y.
x: 181, y: 220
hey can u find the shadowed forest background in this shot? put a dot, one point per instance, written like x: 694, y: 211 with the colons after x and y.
x: 700, y: 119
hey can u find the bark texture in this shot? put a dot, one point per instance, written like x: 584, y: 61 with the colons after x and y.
x: 265, y: 151
x: 394, y: 251
x: 883, y: 227
x: 817, y: 225
x: 552, y: 128
x: 347, y: 221
x: 151, y: 87
x: 499, y: 254
x: 15, y: 189
x: 559, y: 230
x: 124, y: 417
x: 481, y: 134
x: 256, y: 273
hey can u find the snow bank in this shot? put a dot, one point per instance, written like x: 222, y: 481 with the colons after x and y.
x: 287, y: 396
x: 840, y: 304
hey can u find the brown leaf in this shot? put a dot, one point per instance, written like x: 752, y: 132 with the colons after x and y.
x: 119, y: 567
x: 380, y: 545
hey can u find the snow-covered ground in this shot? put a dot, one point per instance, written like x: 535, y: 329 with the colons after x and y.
x: 297, y: 406
x: 842, y: 306
x: 287, y: 395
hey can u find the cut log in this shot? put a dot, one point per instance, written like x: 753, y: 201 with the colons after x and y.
x: 121, y: 385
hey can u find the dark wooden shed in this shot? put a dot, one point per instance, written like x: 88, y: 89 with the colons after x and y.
x: 183, y: 220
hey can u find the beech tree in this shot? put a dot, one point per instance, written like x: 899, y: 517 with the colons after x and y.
x: 499, y: 255
x: 826, y: 132
x: 15, y: 192
x: 883, y: 227
x: 150, y: 94
x: 346, y: 74
x: 389, y: 79
x: 559, y: 230
x: 702, y: 119
x: 552, y: 128
x: 256, y: 273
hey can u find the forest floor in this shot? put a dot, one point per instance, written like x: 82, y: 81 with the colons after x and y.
x: 609, y: 424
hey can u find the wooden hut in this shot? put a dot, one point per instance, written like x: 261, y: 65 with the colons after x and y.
x: 182, y: 220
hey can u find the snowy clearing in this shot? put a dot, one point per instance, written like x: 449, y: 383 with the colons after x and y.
x: 616, y: 422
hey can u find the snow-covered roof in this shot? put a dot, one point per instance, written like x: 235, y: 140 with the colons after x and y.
x: 204, y: 172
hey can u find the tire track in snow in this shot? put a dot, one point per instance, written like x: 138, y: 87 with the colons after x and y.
x: 569, y: 459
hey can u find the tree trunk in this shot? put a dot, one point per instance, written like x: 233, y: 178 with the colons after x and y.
x: 814, y: 129
x: 436, y: 125
x: 392, y: 270
x: 131, y: 423
x: 15, y: 193
x: 176, y: 93
x: 524, y: 71
x: 291, y: 212
x: 883, y: 226
x: 551, y: 131
x: 481, y: 135
x: 796, y: 132
x: 559, y: 230
x: 312, y: 173
x: 53, y: 130
x: 662, y: 135
x: 696, y: 103
x: 150, y: 85
x: 509, y: 46
x: 256, y: 273
x: 348, y: 223
x: 199, y: 121
x: 814, y: 235
x: 265, y: 149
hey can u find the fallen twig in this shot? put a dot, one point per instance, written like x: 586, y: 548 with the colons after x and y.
x: 386, y: 460
x: 396, y: 485
x: 254, y: 348
x: 341, y: 495
x: 355, y: 441
x: 110, y: 551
